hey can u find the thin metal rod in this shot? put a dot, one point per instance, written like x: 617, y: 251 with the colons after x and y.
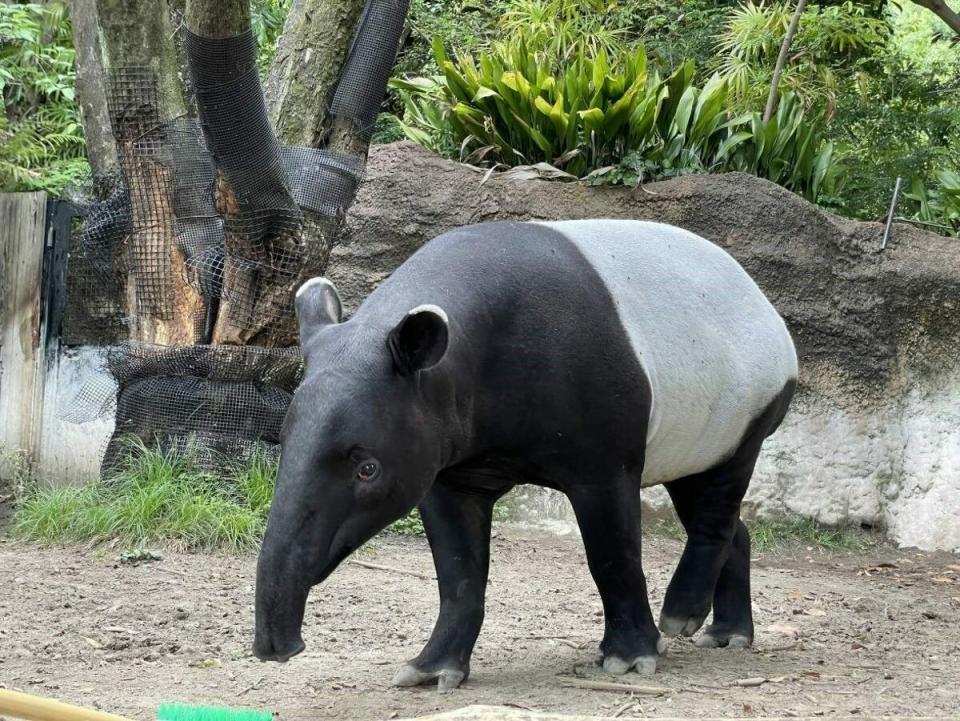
x: 893, y: 207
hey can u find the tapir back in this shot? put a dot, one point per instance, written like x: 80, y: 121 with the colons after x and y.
x: 714, y: 349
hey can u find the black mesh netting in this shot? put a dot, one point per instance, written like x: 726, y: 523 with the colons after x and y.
x: 359, y: 90
x: 210, y: 228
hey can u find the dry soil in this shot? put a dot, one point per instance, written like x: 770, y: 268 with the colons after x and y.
x: 874, y: 633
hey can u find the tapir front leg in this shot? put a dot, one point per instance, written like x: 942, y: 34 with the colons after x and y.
x: 457, y: 522
x: 609, y: 520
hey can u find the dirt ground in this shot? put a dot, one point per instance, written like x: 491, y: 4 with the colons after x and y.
x: 838, y: 635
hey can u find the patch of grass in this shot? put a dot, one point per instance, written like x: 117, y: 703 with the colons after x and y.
x: 777, y: 534
x: 155, y: 496
x: 780, y: 533
x: 166, y: 497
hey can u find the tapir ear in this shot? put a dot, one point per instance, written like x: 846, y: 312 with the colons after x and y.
x: 419, y: 341
x: 317, y: 304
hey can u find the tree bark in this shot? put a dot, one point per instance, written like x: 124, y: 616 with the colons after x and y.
x: 92, y: 95
x: 218, y: 18
x: 310, y: 54
x: 143, y: 92
x: 781, y: 59
x: 942, y: 11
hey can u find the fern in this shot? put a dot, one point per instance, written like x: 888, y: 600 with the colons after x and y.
x: 41, y: 136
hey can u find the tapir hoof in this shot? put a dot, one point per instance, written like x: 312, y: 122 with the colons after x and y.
x: 714, y: 637
x: 643, y: 665
x: 671, y: 626
x: 447, y: 679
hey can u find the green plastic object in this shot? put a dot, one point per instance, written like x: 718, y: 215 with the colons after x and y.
x: 179, y: 712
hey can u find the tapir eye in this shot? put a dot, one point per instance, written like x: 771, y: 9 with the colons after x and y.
x: 368, y: 470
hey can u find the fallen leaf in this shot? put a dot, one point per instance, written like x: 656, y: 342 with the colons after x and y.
x: 811, y: 674
x: 206, y: 663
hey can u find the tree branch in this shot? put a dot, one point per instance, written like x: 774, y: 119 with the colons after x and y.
x: 92, y: 92
x: 781, y: 59
x: 942, y: 11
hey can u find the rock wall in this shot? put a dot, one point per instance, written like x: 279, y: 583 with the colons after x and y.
x: 874, y: 436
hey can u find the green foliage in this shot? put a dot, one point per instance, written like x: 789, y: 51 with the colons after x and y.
x: 530, y: 101
x: 938, y: 206
x: 41, y: 137
x: 267, y: 18
x: 155, y: 496
x: 828, y: 38
x: 673, y: 31
x: 780, y: 534
x: 563, y: 29
x: 461, y: 24
x: 900, y: 116
x: 787, y: 149
x: 159, y: 496
x: 410, y: 525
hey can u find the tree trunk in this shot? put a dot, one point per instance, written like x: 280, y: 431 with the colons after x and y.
x: 144, y: 92
x: 302, y: 104
x: 781, y: 59
x: 310, y: 54
x: 92, y: 95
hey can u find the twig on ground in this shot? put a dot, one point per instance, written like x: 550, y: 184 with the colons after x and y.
x: 392, y: 569
x: 623, y: 709
x: 256, y: 683
x: 621, y: 687
x: 513, y: 704
x: 749, y: 682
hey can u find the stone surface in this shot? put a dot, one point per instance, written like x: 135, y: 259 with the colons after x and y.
x: 874, y: 436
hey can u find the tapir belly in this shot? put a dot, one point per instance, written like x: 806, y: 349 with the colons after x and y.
x: 714, y: 350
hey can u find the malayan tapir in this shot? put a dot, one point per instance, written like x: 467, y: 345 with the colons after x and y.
x: 594, y: 357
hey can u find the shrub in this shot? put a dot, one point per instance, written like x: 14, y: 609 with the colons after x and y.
x: 522, y: 103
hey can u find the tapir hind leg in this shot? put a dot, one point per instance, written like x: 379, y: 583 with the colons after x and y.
x: 457, y: 522
x: 684, y: 608
x: 714, y: 569
x: 609, y: 520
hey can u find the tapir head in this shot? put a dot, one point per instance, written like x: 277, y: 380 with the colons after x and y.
x: 360, y: 449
